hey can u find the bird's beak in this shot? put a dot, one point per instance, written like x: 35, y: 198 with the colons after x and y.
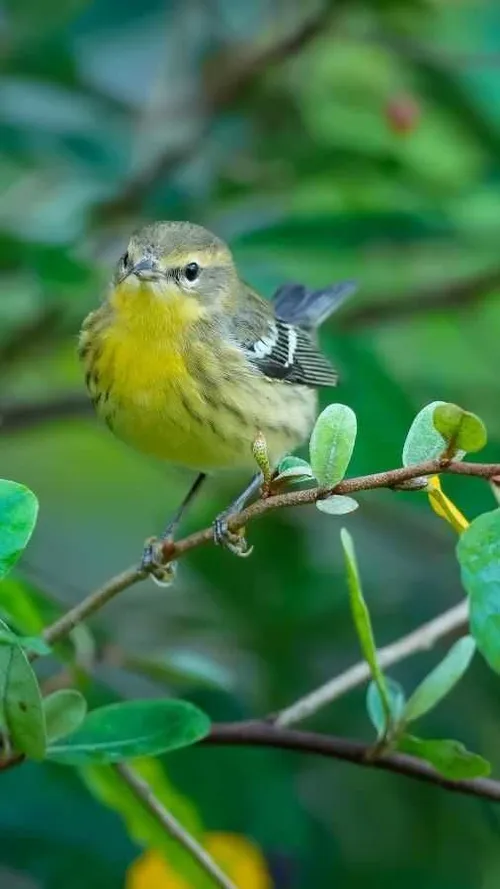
x: 146, y: 269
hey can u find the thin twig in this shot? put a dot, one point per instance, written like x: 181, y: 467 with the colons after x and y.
x: 262, y: 734
x: 100, y: 597
x: 174, y: 551
x: 171, y: 826
x: 419, y: 640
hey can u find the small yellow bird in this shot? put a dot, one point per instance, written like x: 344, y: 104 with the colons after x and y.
x: 185, y: 362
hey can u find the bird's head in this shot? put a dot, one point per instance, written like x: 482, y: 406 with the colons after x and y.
x: 171, y: 259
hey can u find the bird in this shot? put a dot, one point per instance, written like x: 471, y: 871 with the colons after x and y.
x: 186, y: 362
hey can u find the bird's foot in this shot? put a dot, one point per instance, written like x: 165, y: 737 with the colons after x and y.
x: 152, y: 561
x: 234, y: 541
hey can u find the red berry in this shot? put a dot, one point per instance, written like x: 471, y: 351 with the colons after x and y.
x: 402, y: 113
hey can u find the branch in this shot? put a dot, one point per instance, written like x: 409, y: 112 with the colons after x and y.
x: 171, y: 826
x: 231, y: 79
x: 420, y: 640
x: 17, y: 416
x: 172, y: 551
x: 261, y: 734
x: 452, y: 295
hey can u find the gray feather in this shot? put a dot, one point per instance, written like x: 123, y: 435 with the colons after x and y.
x: 296, y: 304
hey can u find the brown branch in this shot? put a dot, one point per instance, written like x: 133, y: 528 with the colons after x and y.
x: 173, y: 551
x: 458, y: 294
x: 262, y: 734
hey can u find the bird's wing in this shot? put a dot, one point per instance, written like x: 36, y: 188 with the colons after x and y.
x: 279, y: 349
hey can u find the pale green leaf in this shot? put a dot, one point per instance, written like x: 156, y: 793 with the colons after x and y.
x: 65, y: 711
x: 441, y: 680
x: 332, y: 443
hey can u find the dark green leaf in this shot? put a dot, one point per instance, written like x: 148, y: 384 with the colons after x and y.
x: 132, y: 729
x: 332, y: 443
x: 18, y: 513
x: 21, y: 702
x: 337, y: 505
x: 362, y: 621
x: 449, y: 758
x: 423, y: 441
x: 65, y: 711
x: 375, y: 707
x: 462, y: 430
x: 478, y: 552
x: 441, y: 680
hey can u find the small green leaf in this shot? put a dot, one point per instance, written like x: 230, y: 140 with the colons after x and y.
x: 28, y: 643
x: 423, y: 441
x: 362, y: 621
x: 478, y: 552
x: 441, y: 680
x: 337, y: 505
x: 332, y: 443
x: 450, y: 758
x: 18, y: 513
x: 460, y: 429
x: 375, y: 708
x: 65, y: 711
x: 293, y: 469
x: 131, y: 729
x: 21, y: 703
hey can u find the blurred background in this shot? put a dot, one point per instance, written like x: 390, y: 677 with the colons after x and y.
x: 323, y: 140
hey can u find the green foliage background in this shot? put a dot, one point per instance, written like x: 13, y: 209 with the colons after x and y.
x: 112, y: 113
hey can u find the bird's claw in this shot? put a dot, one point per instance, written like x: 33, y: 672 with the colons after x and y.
x: 153, y: 565
x: 234, y: 541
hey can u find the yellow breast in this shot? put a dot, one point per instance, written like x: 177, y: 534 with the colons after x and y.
x: 140, y: 351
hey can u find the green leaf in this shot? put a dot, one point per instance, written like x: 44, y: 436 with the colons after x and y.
x: 441, y: 680
x: 294, y: 469
x: 65, y: 711
x: 450, y: 758
x: 18, y: 513
x: 375, y: 707
x: 337, y: 505
x: 21, y: 702
x: 183, y: 667
x: 131, y: 729
x: 478, y: 552
x: 362, y: 621
x: 423, y: 441
x: 461, y: 429
x: 332, y: 443
x: 28, y: 643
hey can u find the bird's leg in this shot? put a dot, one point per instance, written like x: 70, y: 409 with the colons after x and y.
x: 235, y: 541
x: 150, y: 561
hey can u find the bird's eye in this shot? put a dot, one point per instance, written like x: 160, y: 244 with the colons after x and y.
x: 192, y: 271
x: 126, y: 260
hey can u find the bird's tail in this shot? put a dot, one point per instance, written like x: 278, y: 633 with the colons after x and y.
x: 305, y: 308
